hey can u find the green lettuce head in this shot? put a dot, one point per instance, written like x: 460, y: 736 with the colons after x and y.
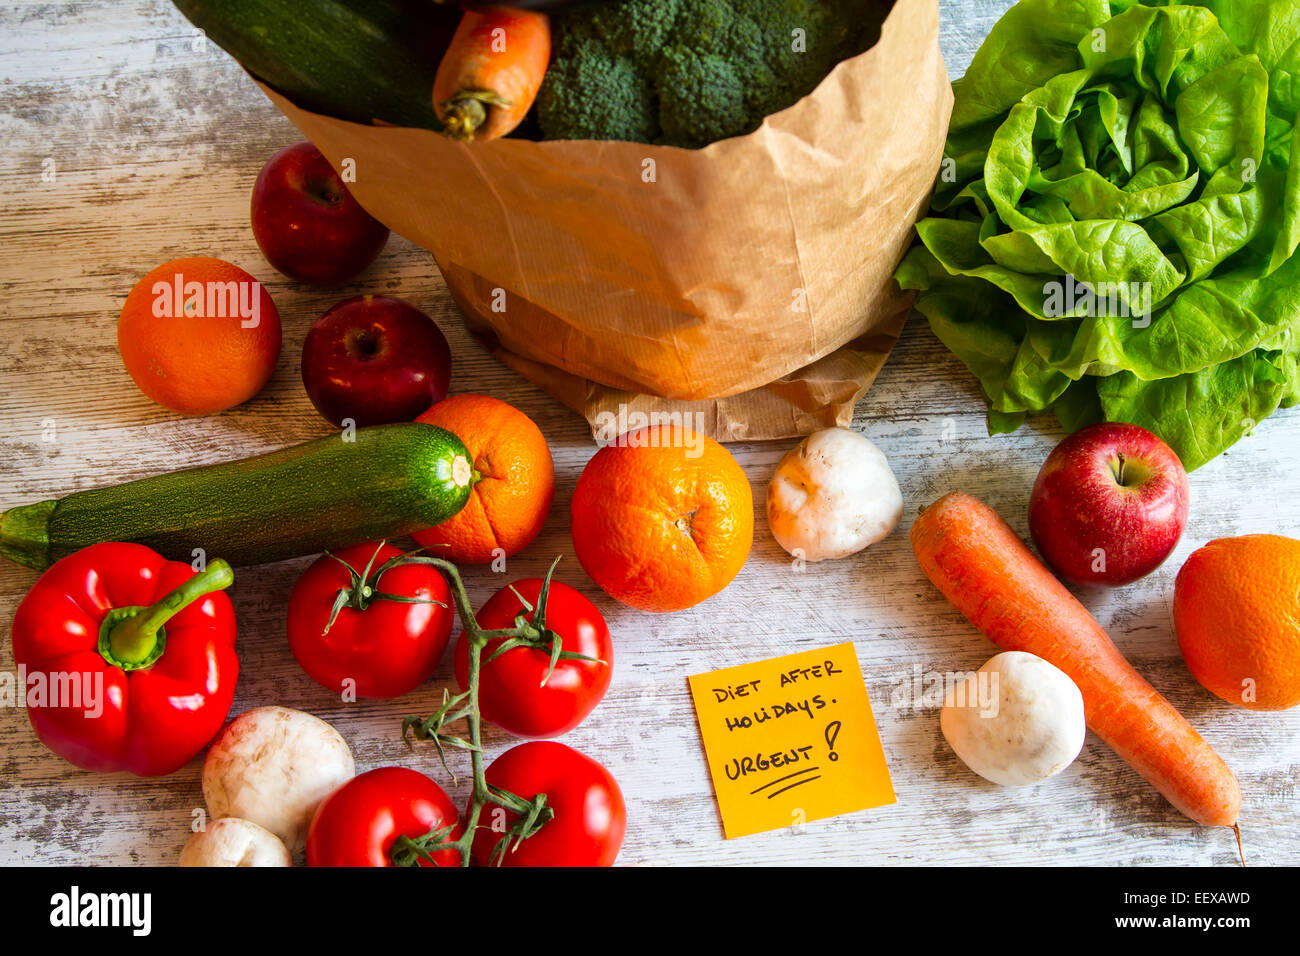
x: 1114, y: 229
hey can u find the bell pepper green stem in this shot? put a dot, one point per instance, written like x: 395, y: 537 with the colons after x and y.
x: 133, y: 637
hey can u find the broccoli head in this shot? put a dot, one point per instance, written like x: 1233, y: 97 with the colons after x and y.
x: 699, y: 94
x: 635, y: 28
x: 597, y: 94
x: 690, y: 72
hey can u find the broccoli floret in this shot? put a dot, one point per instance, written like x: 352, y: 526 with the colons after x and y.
x: 637, y: 28
x: 699, y: 95
x: 598, y: 95
x: 738, y: 47
x: 690, y: 72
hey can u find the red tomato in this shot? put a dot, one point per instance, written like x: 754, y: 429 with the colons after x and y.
x: 590, y: 816
x: 511, y: 694
x: 358, y: 823
x: 386, y: 650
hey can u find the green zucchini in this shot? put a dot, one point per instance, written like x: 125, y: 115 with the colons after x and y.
x: 358, y: 60
x: 338, y: 490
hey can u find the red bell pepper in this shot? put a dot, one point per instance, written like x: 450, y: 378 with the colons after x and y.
x: 128, y: 659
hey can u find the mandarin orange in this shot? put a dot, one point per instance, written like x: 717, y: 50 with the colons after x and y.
x: 659, y: 526
x: 1237, y: 614
x: 512, y: 494
x: 199, y: 335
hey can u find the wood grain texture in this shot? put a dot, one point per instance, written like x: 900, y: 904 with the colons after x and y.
x: 155, y: 141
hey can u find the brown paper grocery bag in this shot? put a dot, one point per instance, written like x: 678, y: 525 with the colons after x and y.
x: 749, y: 282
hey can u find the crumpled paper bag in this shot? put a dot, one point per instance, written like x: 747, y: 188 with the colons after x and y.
x: 749, y: 283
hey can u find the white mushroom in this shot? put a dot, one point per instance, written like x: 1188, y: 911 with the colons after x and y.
x: 273, y: 766
x: 234, y: 842
x: 1018, y: 722
x: 832, y: 496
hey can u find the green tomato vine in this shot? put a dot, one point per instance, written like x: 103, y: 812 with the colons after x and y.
x: 529, y: 630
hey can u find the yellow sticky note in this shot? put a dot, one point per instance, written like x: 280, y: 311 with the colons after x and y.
x: 790, y: 740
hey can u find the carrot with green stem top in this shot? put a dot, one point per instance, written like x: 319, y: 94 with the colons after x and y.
x: 992, y: 577
x: 491, y: 72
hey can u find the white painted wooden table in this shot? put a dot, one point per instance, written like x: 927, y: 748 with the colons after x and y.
x: 154, y: 143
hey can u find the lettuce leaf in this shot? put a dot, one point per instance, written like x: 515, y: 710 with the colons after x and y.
x: 1114, y: 230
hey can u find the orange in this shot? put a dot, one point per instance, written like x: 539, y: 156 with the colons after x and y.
x: 199, y: 335
x: 1237, y: 613
x: 663, y: 518
x: 514, y: 487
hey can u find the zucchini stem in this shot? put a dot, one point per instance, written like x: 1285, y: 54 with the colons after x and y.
x: 25, y: 534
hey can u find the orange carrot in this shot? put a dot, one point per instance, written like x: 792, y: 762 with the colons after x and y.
x: 491, y: 72
x: 989, y: 574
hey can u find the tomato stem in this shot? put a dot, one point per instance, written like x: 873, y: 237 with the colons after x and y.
x: 363, y: 588
x: 533, y: 814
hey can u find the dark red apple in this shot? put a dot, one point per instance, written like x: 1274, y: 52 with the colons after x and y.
x: 1109, y: 505
x: 375, y: 359
x: 307, y: 223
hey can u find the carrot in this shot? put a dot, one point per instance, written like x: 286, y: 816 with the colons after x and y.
x: 491, y: 72
x: 989, y: 574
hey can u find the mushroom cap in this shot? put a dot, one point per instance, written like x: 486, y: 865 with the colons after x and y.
x: 833, y: 495
x: 231, y: 841
x: 1023, y: 723
x: 273, y: 766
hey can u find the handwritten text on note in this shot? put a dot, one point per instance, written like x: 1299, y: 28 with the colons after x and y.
x: 791, y: 740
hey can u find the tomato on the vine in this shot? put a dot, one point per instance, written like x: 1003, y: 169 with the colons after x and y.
x: 512, y: 693
x: 351, y: 618
x: 358, y: 824
x: 590, y: 815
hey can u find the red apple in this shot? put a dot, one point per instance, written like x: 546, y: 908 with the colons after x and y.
x: 1109, y: 505
x: 307, y: 223
x: 375, y: 359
